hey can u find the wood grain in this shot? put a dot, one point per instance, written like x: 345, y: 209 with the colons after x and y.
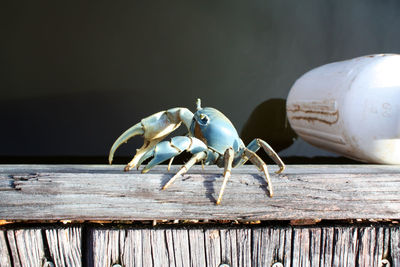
x: 5, y: 260
x: 97, y: 192
x: 27, y: 247
x: 171, y: 247
x: 65, y: 246
x: 297, y: 246
x: 272, y: 245
x: 206, y: 246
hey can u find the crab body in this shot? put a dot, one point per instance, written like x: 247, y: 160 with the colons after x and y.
x: 217, y: 132
x: 211, y: 138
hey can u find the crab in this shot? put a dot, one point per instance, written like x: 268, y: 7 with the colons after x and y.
x: 211, y: 138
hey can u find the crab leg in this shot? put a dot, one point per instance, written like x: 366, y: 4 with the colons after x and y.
x: 256, y: 160
x: 168, y: 149
x: 170, y: 163
x: 273, y: 155
x: 228, y: 159
x: 193, y: 160
x: 254, y: 146
x: 153, y: 129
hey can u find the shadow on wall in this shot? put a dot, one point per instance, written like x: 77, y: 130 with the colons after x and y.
x: 268, y: 121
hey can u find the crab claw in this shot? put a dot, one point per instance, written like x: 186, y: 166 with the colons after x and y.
x: 136, y: 129
x: 153, y: 129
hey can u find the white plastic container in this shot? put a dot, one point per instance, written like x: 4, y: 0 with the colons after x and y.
x: 351, y: 108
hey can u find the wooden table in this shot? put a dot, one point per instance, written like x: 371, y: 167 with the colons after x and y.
x: 98, y: 215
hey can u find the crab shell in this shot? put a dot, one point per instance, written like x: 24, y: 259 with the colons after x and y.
x: 215, y: 130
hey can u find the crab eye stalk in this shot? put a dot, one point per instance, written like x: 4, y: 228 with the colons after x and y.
x: 198, y: 103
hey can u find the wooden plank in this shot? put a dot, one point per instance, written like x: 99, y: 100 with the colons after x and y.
x: 6, y: 169
x: 12, y: 244
x: 107, y: 244
x: 251, y: 246
x: 213, y: 247
x: 160, y: 252
x: 5, y: 260
x: 180, y: 241
x: 395, y: 246
x: 256, y: 246
x: 345, y: 245
x: 62, y: 192
x: 65, y: 246
x: 140, y: 247
x: 197, y: 249
x: 327, y: 244
x: 306, y: 247
x: 290, y: 246
x: 272, y: 246
x: 229, y: 247
x: 243, y: 239
x: 169, y: 247
x: 27, y: 247
x: 133, y: 248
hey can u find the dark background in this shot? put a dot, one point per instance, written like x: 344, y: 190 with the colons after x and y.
x: 75, y: 75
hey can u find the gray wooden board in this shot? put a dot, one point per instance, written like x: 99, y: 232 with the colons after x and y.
x: 207, y: 246
x: 102, y: 192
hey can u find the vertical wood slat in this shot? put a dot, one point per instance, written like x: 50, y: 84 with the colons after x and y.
x: 197, y: 249
x: 372, y: 246
x: 28, y: 247
x: 395, y: 246
x: 172, y: 247
x: 212, y: 247
x: 131, y: 244
x: 228, y: 246
x: 327, y: 244
x: 306, y: 247
x: 160, y: 253
x: 272, y: 245
x: 4, y: 254
x: 181, y: 249
x: 344, y: 246
x: 65, y: 246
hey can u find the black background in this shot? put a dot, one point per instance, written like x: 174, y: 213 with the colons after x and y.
x: 74, y: 74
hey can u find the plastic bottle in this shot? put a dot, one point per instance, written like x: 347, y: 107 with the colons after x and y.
x: 350, y: 107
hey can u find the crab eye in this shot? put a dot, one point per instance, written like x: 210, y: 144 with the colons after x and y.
x: 203, y: 119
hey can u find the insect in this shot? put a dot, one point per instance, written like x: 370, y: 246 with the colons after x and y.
x: 211, y: 138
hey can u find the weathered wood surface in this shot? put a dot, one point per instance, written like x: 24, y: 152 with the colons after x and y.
x: 317, y: 246
x: 101, y: 192
x: 179, y: 246
x: 41, y: 247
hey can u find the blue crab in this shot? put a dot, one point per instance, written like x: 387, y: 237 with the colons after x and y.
x: 211, y: 138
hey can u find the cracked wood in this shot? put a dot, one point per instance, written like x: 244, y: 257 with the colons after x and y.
x: 100, y: 192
